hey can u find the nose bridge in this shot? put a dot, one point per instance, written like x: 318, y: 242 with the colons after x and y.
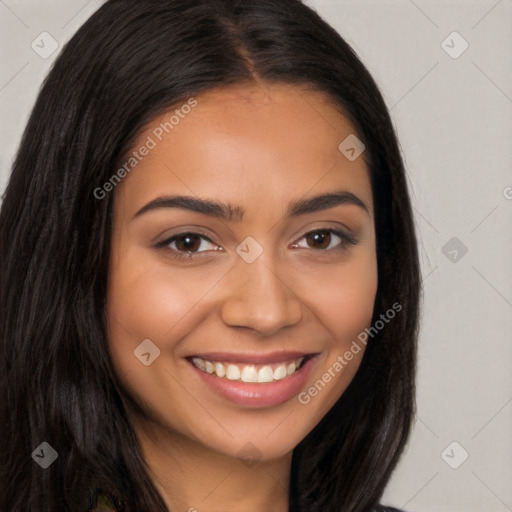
x: 260, y: 298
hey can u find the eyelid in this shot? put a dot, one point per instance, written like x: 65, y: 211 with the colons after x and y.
x: 347, y: 238
x: 166, y: 241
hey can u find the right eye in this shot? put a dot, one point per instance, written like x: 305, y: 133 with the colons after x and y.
x: 185, y: 244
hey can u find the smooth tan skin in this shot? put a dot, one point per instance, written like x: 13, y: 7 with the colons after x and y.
x: 261, y: 147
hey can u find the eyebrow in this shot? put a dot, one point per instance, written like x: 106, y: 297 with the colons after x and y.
x: 235, y: 213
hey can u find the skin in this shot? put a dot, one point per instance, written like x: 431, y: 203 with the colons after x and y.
x: 260, y: 147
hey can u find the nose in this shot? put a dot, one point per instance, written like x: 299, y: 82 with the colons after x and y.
x: 261, y: 299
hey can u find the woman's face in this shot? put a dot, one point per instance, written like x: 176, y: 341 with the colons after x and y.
x: 230, y: 321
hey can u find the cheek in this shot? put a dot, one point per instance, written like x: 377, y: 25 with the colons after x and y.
x: 351, y: 306
x: 344, y: 306
x: 144, y: 303
x: 345, y: 301
x: 148, y: 300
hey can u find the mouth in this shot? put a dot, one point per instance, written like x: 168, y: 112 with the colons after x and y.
x: 243, y: 372
x: 255, y: 381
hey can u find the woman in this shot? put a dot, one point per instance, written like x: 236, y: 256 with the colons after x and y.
x: 210, y: 283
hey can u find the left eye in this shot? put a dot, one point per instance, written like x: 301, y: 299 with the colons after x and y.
x: 324, y: 238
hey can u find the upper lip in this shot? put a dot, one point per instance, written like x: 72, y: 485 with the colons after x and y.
x: 255, y: 358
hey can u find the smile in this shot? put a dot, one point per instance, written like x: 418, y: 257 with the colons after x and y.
x: 253, y: 380
x: 260, y: 373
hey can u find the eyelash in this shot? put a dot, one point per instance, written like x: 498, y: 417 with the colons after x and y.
x: 346, y: 240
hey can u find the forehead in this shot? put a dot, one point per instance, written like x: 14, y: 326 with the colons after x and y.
x: 246, y: 142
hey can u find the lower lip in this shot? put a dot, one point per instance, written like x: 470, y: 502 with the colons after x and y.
x: 249, y: 394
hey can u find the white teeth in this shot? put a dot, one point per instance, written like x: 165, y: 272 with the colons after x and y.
x: 199, y: 363
x: 233, y: 372
x: 265, y: 374
x: 220, y: 370
x: 280, y: 373
x: 209, y: 366
x: 248, y: 373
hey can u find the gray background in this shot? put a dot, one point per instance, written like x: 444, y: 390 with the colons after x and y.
x: 453, y: 118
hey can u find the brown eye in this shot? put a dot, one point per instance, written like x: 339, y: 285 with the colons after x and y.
x: 327, y: 240
x: 188, y: 242
x: 186, y: 245
x: 319, y: 239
